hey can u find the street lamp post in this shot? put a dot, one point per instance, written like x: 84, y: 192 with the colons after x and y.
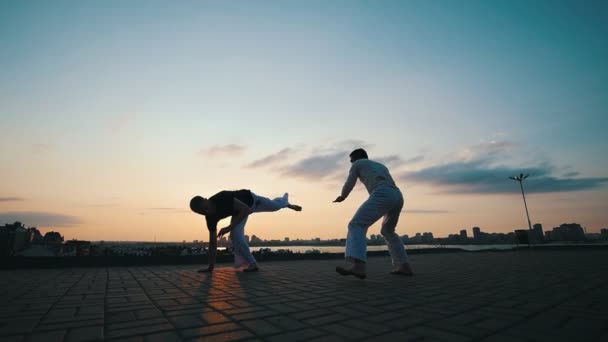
x: 520, y: 179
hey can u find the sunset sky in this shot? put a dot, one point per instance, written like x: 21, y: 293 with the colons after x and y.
x: 113, y: 114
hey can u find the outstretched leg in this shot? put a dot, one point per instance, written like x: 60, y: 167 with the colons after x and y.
x: 263, y: 204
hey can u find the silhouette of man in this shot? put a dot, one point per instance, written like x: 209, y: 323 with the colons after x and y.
x: 385, y: 200
x: 238, y: 205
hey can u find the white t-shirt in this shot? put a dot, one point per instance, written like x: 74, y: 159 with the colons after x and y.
x: 371, y: 173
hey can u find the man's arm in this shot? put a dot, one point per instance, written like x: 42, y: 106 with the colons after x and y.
x: 212, y: 255
x: 241, y: 212
x: 351, y: 180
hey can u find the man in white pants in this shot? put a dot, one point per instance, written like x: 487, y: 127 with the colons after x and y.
x: 385, y: 200
x: 239, y: 205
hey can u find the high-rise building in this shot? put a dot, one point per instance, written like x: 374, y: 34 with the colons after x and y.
x: 537, y: 233
x: 476, y: 233
x: 463, y: 233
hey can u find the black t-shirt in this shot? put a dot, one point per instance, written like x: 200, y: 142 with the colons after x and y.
x: 224, y: 205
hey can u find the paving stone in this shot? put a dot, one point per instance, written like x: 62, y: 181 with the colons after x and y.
x: 94, y: 333
x: 236, y: 335
x: 503, y: 338
x: 17, y: 338
x: 209, y: 330
x: 181, y: 322
x: 48, y: 336
x: 345, y: 331
x: 437, y: 334
x: 261, y: 327
x: 169, y: 336
x: 139, y: 330
x: 328, y: 338
x: 502, y: 296
x: 212, y: 317
x: 298, y: 335
x: 404, y: 336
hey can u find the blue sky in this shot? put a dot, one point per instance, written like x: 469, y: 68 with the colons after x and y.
x: 140, y: 104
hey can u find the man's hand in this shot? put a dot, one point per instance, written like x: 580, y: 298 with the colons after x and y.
x: 223, y: 232
x: 206, y: 270
x: 339, y: 199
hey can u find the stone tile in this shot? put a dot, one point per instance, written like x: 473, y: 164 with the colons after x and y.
x: 236, y: 335
x: 169, y: 336
x: 16, y: 338
x: 344, y: 331
x: 85, y: 334
x: 212, y: 317
x: 189, y: 321
x: 261, y: 327
x: 209, y: 330
x: 297, y: 335
x: 285, y: 322
x: 48, y: 336
x: 456, y: 296
x: 139, y: 330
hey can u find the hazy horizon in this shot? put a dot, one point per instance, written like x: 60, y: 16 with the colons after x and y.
x: 114, y: 114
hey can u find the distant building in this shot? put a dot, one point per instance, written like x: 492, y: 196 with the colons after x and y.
x: 604, y: 232
x: 463, y: 233
x: 286, y: 239
x: 476, y: 233
x: 568, y: 232
x: 53, y: 241
x: 255, y: 239
x: 537, y: 233
x: 76, y: 248
x: 14, y: 237
x: 427, y: 237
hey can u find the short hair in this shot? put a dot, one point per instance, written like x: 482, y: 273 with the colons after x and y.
x: 358, y: 154
x: 196, y: 202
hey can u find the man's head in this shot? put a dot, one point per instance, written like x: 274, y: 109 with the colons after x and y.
x: 358, y: 154
x: 199, y: 205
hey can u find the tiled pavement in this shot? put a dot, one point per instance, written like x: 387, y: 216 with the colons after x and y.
x: 492, y: 296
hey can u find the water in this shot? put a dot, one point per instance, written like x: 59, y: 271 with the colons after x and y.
x: 340, y: 249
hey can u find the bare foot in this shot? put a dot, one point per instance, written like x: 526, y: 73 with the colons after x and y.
x: 294, y: 207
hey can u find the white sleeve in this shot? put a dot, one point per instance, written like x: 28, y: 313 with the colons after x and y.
x: 350, y: 181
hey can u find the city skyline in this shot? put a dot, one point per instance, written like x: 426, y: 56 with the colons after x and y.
x: 114, y: 115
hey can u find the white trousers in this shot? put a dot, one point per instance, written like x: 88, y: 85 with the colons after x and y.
x: 384, y: 201
x: 242, y: 254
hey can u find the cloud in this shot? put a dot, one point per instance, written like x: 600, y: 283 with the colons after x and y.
x: 396, y: 161
x: 327, y: 161
x: 485, y: 150
x: 270, y: 159
x: 317, y: 167
x: 571, y: 174
x: 11, y: 199
x: 37, y: 219
x: 223, y: 150
x: 480, y: 176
